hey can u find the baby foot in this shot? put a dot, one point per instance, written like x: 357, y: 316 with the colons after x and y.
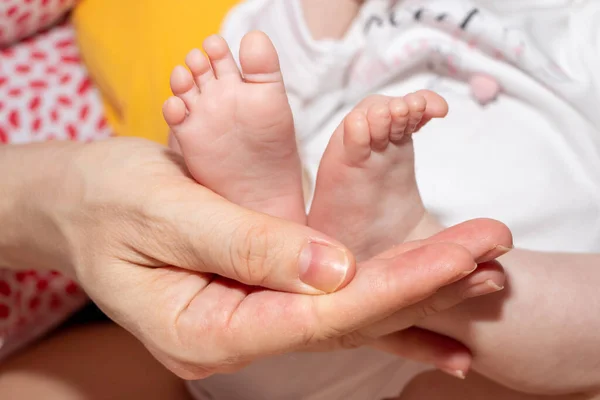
x: 235, y: 129
x: 366, y: 194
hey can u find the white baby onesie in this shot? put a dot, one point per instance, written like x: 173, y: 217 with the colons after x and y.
x: 531, y: 158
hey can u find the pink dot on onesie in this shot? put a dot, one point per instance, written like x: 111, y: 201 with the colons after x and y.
x: 484, y: 88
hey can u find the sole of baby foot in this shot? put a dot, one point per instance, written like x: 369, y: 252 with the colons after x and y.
x: 366, y: 193
x: 235, y: 127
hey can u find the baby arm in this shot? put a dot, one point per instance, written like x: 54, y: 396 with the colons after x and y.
x: 540, y: 335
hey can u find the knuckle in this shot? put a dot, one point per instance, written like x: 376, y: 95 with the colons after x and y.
x: 249, y: 253
x: 309, y: 339
x: 216, y: 353
x: 352, y: 340
x: 335, y: 337
x: 304, y: 319
x: 312, y: 335
x: 428, y: 309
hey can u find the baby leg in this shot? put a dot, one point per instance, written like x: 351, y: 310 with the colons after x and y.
x: 540, y: 335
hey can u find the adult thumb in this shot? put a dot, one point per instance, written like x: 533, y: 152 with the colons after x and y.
x: 212, y: 235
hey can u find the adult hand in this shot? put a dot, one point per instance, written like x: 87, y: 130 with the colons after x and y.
x: 179, y: 266
x: 486, y: 240
x: 131, y: 201
x: 396, y: 333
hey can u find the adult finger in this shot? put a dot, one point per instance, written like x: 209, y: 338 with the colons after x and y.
x: 234, y: 318
x: 198, y: 324
x: 489, y: 278
x: 446, y: 354
x: 200, y: 231
x: 385, y: 287
x: 486, y: 239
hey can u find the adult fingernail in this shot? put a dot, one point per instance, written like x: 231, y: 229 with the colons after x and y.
x: 324, y: 266
x: 457, y: 373
x: 482, y: 289
x: 496, y: 252
x: 469, y: 272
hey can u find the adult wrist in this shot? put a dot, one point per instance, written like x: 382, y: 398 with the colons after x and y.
x: 30, y: 234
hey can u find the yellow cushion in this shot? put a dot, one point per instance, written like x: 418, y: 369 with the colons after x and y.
x: 130, y: 48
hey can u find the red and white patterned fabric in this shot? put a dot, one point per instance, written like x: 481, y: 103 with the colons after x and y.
x: 31, y: 304
x: 22, y: 18
x: 45, y: 94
